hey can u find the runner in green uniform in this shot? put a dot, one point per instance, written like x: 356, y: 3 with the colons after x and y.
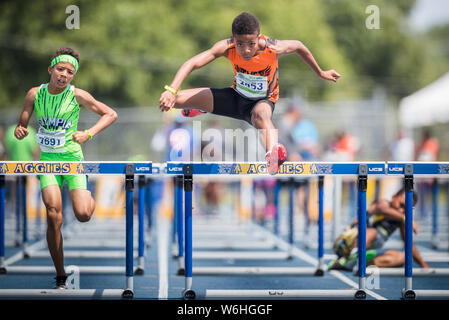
x: 57, y: 106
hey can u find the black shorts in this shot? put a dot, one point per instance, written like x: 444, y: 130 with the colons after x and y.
x: 228, y: 103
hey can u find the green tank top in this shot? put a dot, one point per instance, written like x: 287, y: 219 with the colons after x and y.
x: 57, y: 116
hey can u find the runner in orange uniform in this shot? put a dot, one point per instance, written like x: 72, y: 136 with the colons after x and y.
x: 255, y: 90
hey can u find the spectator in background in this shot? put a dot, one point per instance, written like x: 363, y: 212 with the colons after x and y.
x: 403, y: 148
x: 26, y: 149
x: 299, y: 135
x: 180, y: 141
x: 428, y: 149
x: 347, y: 146
x: 342, y: 147
x: 174, y: 138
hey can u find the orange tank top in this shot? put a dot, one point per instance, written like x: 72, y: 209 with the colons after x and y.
x: 256, y: 78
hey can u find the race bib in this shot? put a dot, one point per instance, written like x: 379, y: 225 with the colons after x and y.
x: 251, y: 86
x: 51, y: 141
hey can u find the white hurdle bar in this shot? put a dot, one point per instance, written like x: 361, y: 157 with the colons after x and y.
x: 128, y: 169
x: 51, y: 270
x: 258, y: 271
x: 241, y: 255
x: 85, y: 254
x: 417, y: 272
x: 61, y: 294
x: 232, y: 244
x: 282, y: 294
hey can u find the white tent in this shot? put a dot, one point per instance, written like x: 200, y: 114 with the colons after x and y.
x: 426, y: 106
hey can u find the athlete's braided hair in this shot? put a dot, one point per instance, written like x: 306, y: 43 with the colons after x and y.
x: 245, y: 23
x: 66, y: 50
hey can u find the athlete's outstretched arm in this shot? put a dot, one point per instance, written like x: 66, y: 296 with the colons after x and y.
x: 219, y: 49
x: 289, y: 46
x: 108, y: 115
x: 21, y: 130
x: 383, y: 207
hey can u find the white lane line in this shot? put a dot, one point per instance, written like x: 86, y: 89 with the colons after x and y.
x: 306, y: 257
x: 19, y: 255
x: 163, y: 230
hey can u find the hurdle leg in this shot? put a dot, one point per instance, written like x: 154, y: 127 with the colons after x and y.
x: 320, y: 269
x: 129, y: 186
x: 408, y: 293
x: 141, y: 212
x: 291, y: 206
x: 435, y: 192
x: 2, y: 225
x: 23, y: 191
x: 188, y: 188
x: 18, y: 216
x: 362, y: 182
x: 149, y: 207
x: 179, y: 213
x: 277, y: 190
x: 306, y: 212
x: 175, y: 217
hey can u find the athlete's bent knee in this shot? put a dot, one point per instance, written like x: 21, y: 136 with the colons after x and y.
x: 83, y: 216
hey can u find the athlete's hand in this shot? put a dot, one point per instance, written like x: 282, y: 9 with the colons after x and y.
x: 20, y: 132
x: 80, y: 137
x: 167, y: 101
x: 331, y: 75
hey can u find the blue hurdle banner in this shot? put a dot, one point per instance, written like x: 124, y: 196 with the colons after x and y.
x: 288, y: 168
x: 71, y: 167
x: 419, y: 168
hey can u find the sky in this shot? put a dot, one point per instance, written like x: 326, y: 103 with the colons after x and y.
x: 429, y: 13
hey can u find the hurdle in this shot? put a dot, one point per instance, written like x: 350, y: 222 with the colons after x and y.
x: 361, y: 170
x: 408, y: 171
x: 239, y: 239
x: 128, y: 169
x: 91, y: 243
x: 28, y: 254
